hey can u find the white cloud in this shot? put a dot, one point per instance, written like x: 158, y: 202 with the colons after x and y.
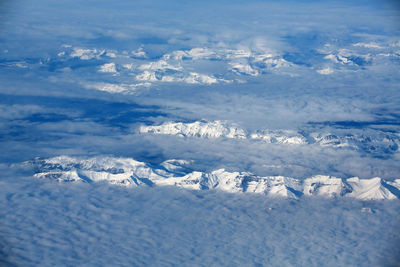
x: 201, y: 228
x: 368, y: 45
x: 146, y: 76
x: 243, y: 69
x: 140, y: 53
x: 86, y: 54
x: 117, y: 88
x: 325, y: 71
x: 108, y: 68
x: 159, y: 65
x: 111, y: 54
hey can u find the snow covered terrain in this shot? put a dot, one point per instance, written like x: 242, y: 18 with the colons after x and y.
x: 199, y: 133
x: 129, y: 172
x: 234, y: 65
x: 198, y: 129
x: 370, y: 141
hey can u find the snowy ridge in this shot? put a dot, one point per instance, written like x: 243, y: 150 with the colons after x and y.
x: 178, y: 66
x: 173, y: 67
x: 228, y: 64
x: 279, y: 137
x: 187, y: 66
x: 213, y: 129
x: 356, y: 56
x: 129, y: 172
x: 373, y: 142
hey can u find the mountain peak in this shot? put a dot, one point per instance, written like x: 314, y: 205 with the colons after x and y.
x: 129, y: 172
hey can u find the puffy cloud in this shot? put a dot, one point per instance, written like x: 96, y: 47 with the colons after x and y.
x: 257, y: 65
x: 108, y: 67
x: 325, y: 71
x: 160, y: 225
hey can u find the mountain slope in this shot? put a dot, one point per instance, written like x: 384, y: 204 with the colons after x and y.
x: 129, y: 172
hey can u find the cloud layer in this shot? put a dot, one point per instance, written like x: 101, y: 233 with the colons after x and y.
x: 272, y: 88
x: 95, y: 224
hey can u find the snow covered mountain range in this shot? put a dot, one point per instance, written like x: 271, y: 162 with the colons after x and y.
x: 368, y: 142
x: 129, y: 172
x: 202, y: 129
x: 231, y: 65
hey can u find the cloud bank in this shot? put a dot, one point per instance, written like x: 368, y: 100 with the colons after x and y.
x: 95, y: 224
